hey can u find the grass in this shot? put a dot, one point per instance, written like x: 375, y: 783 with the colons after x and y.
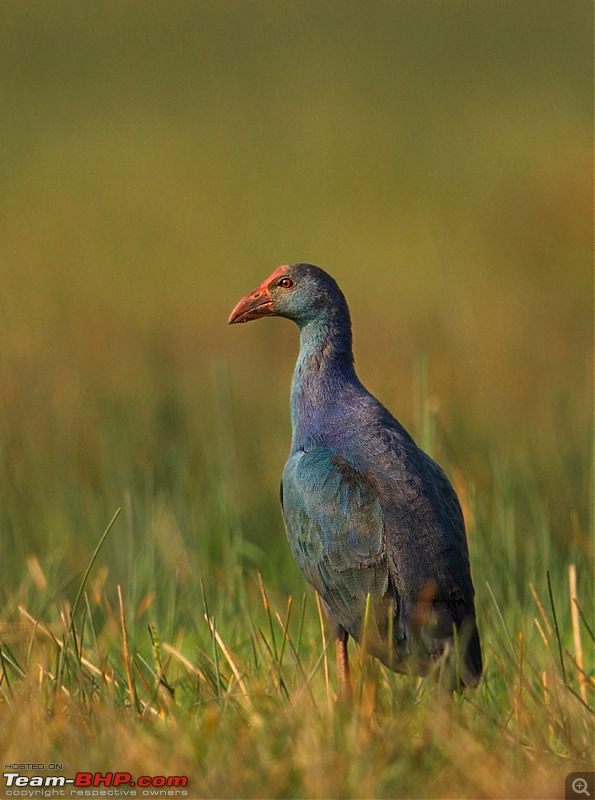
x: 251, y: 677
x: 157, y: 164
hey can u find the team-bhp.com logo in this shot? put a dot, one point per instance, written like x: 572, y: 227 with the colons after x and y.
x: 95, y: 784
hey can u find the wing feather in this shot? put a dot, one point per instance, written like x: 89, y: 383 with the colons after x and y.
x: 334, y: 522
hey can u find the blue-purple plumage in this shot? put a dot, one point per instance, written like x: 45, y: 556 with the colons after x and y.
x: 368, y: 514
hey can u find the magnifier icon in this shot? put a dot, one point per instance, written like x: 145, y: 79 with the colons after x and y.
x: 580, y: 786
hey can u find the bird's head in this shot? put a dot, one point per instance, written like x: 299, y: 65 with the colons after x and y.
x: 301, y: 292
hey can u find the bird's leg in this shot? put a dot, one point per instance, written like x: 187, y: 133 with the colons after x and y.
x: 341, y: 637
x: 343, y: 672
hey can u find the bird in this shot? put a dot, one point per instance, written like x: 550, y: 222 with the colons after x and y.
x: 372, y: 521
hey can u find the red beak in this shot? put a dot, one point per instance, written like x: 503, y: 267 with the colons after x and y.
x: 257, y: 303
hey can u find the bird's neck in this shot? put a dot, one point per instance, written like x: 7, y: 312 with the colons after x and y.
x: 324, y: 374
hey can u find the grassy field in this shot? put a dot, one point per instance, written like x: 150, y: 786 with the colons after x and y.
x: 158, y: 161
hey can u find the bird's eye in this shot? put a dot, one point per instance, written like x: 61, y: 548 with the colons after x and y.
x: 286, y: 283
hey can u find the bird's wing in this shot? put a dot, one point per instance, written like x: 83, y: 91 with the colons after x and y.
x: 425, y: 525
x: 427, y: 551
x: 334, y: 522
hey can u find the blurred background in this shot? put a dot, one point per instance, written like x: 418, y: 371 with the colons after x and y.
x: 158, y: 160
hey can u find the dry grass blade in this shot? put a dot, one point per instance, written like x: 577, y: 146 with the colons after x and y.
x: 185, y: 661
x: 589, y: 681
x: 539, y: 604
x: 576, y: 631
x: 284, y: 627
x: 230, y: 661
x: 211, y: 625
x: 585, y: 622
x: 267, y: 608
x: 126, y: 651
x: 324, y: 649
x: 4, y: 681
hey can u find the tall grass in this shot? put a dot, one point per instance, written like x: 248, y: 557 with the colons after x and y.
x: 157, y: 163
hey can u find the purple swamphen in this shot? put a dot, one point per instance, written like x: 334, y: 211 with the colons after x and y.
x: 372, y: 521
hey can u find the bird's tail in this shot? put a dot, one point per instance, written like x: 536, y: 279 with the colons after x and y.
x: 470, y: 650
x: 454, y: 649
